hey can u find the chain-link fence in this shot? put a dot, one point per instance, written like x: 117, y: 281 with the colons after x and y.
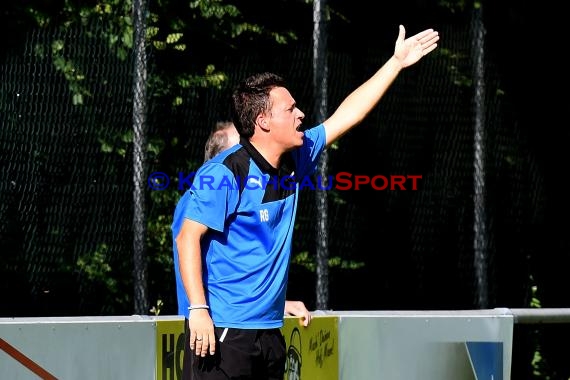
x: 68, y: 142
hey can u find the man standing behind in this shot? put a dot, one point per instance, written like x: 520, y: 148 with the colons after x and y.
x: 233, y: 238
x: 224, y: 136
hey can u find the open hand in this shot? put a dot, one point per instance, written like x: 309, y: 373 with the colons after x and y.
x: 410, y: 50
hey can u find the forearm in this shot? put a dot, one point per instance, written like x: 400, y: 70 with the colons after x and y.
x: 191, y: 274
x: 190, y: 265
x: 358, y: 104
x: 362, y: 100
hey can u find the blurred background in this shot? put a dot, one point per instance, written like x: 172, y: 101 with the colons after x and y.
x: 97, y: 95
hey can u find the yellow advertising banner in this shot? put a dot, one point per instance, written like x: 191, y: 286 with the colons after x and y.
x: 312, y: 352
x: 169, y: 349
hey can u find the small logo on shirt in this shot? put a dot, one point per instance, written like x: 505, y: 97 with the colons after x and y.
x: 255, y: 181
x: 264, y: 215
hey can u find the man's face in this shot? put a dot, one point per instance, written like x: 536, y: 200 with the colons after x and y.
x: 285, y: 119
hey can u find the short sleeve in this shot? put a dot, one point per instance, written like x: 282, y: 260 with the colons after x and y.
x: 212, y: 197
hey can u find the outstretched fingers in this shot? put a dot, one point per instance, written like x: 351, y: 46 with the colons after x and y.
x: 430, y: 39
x: 429, y: 49
x: 426, y: 40
x: 424, y: 34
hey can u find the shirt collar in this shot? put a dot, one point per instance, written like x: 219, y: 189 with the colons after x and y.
x: 287, y: 165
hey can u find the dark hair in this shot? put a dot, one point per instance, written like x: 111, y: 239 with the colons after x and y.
x: 251, y: 98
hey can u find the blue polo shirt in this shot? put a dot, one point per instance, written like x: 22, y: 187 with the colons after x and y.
x: 249, y: 208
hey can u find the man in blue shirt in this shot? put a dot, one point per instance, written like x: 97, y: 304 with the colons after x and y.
x: 233, y: 228
x: 223, y: 137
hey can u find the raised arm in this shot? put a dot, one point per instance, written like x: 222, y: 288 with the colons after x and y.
x: 360, y: 102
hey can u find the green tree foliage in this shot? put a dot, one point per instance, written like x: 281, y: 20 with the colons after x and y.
x: 187, y: 42
x: 186, y: 37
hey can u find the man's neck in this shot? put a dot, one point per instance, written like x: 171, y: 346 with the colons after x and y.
x: 271, y: 155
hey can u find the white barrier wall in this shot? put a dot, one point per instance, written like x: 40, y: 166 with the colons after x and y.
x: 344, y: 345
x: 431, y: 346
x: 78, y: 348
x: 427, y: 345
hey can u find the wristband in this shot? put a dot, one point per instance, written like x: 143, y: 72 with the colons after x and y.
x: 196, y: 307
x: 193, y: 307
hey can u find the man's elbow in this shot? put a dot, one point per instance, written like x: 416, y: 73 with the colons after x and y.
x: 179, y: 240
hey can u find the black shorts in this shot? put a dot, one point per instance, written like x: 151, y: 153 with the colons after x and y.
x: 240, y: 354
